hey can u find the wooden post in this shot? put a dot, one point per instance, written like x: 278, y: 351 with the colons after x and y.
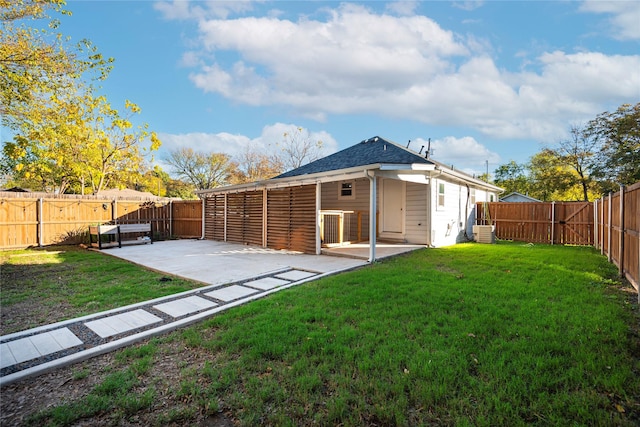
x: 602, y: 226
x: 595, y: 224
x: 264, y: 217
x: 622, y: 230
x: 610, y: 227
x: 40, y: 225
x: 359, y: 226
x: 225, y: 216
x: 553, y: 222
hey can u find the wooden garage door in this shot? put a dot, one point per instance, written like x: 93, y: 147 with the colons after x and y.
x: 214, y: 217
x: 244, y: 218
x: 291, y: 218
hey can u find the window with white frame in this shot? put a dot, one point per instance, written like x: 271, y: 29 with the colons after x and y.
x: 347, y: 190
x: 472, y: 196
x: 441, y: 194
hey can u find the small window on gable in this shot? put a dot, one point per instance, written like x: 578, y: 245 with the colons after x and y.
x: 441, y: 195
x: 347, y: 190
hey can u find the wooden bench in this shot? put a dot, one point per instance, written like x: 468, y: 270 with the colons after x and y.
x: 115, y: 234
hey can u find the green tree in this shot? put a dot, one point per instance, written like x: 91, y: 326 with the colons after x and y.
x: 82, y: 140
x: 617, y: 136
x: 38, y: 62
x: 512, y: 177
x: 549, y: 177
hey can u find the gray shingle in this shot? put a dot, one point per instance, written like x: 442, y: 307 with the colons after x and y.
x: 372, y: 151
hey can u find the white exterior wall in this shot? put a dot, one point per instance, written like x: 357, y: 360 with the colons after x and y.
x: 449, y: 223
x: 416, y: 214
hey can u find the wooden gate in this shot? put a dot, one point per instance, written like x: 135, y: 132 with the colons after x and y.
x: 564, y: 223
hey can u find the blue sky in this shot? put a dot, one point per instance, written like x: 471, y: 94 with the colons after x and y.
x: 485, y: 80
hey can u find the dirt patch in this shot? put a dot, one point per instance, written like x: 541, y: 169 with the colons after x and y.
x: 29, y: 314
x: 171, y: 365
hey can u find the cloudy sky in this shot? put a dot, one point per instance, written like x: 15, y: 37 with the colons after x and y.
x: 484, y: 80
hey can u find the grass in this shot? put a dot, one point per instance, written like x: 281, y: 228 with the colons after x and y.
x: 76, y: 281
x: 484, y: 335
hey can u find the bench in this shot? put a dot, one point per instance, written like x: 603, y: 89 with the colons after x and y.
x: 115, y: 233
x: 137, y: 229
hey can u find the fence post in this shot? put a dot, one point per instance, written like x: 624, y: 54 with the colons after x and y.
x: 622, y: 230
x: 595, y: 224
x: 602, y: 227
x: 203, y: 217
x: 553, y: 222
x: 170, y: 218
x: 40, y: 225
x: 610, y: 226
x: 114, y: 209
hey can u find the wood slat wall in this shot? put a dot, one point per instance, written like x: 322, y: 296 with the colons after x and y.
x: 214, y: 217
x: 28, y: 222
x: 291, y: 219
x: 244, y: 218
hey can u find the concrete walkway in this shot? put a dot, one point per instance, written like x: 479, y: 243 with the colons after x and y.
x: 231, y: 275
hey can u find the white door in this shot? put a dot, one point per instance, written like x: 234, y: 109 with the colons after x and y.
x: 392, y: 206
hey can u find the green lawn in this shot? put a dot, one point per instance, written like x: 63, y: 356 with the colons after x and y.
x: 64, y: 282
x: 484, y: 335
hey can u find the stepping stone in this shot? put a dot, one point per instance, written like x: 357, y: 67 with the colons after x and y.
x: 184, y: 306
x: 267, y: 283
x: 114, y: 325
x: 32, y: 347
x: 231, y: 292
x: 295, y: 275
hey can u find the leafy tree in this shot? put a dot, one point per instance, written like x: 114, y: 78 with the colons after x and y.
x: 512, y: 177
x: 617, y: 136
x: 202, y: 170
x: 549, y: 177
x: 82, y: 140
x: 36, y: 63
x: 576, y: 153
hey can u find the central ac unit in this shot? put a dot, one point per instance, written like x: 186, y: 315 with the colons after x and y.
x: 484, y: 233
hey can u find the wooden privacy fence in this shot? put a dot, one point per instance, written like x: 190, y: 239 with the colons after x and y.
x: 28, y: 222
x: 617, y: 231
x: 565, y: 223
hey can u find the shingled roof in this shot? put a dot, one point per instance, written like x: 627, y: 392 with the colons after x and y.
x: 374, y: 150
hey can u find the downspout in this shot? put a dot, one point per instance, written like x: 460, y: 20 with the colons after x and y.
x: 372, y: 215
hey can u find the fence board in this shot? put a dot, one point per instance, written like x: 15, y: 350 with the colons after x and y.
x: 28, y: 222
x: 618, y: 224
x: 543, y: 222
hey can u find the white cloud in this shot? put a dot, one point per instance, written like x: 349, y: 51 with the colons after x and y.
x: 234, y: 144
x: 402, y: 7
x: 468, y: 5
x: 625, y: 16
x: 409, y: 67
x: 185, y: 9
x: 464, y: 153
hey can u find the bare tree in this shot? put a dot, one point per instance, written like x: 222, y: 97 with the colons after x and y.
x: 297, y: 148
x: 253, y: 165
x: 203, y: 170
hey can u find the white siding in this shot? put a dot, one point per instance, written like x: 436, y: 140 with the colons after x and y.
x: 416, y: 219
